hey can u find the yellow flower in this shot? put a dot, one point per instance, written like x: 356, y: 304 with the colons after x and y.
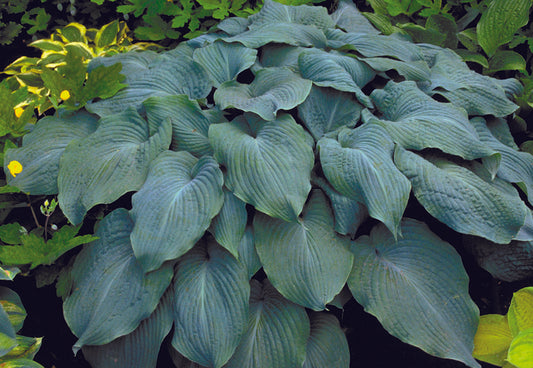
x: 46, y: 203
x: 18, y: 111
x: 14, y: 168
x: 65, y: 95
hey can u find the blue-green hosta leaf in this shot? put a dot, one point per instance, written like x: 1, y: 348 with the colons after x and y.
x: 174, y: 207
x: 416, y: 121
x: 180, y: 361
x: 515, y: 166
x: 228, y: 226
x: 10, y: 302
x: 42, y: 148
x: 327, y: 345
x: 232, y: 25
x: 416, y: 70
x: 349, y: 214
x: 273, y: 12
x: 279, y: 55
x: 8, y: 273
x: 417, y: 288
x: 306, y: 261
x: 336, y: 70
x: 138, y: 349
x: 272, y: 89
x: 111, y: 293
x: 462, y: 199
x: 359, y: 165
x: 108, y: 163
x: 508, y: 262
x: 371, y: 45
x: 247, y: 252
x: 170, y: 73
x: 477, y: 94
x: 210, y: 308
x: 326, y: 110
x: 268, y: 163
x: 190, y: 123
x: 224, y: 61
x: 349, y: 18
x: 277, y: 331
x: 133, y: 63
x: 7, y: 333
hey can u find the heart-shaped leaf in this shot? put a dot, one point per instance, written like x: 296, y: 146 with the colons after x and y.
x: 306, y: 261
x: 268, y: 163
x: 492, y: 339
x: 174, y: 207
x: 211, y: 293
x: 417, y: 288
x: 110, y: 299
x: 108, y: 163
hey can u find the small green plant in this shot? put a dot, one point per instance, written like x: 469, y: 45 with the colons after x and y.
x: 507, y: 340
x: 241, y: 166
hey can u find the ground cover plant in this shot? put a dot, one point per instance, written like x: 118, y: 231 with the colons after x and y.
x: 263, y: 173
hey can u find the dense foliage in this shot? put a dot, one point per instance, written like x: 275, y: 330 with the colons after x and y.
x: 260, y: 173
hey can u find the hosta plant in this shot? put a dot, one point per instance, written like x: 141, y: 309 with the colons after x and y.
x: 257, y: 170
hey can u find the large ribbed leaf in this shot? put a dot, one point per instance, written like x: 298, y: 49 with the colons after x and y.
x: 515, y: 166
x: 190, y: 123
x: 7, y: 333
x: 327, y: 345
x: 492, y: 339
x: 462, y: 199
x: 327, y: 109
x: 520, y: 352
x: 519, y: 315
x: 247, y: 252
x: 508, y: 262
x: 416, y: 121
x: 416, y: 70
x: 268, y: 163
x: 111, y: 294
x: 42, y: 148
x: 359, y: 165
x: 277, y: 331
x: 108, y: 163
x: 210, y: 309
x: 10, y: 302
x: 174, y: 207
x: 140, y: 348
x: 133, y: 64
x: 349, y: 213
x: 274, y: 12
x: 224, y: 61
x: 478, y: 94
x: 306, y: 261
x: 417, y: 288
x: 170, y: 73
x: 349, y: 18
x: 229, y: 225
x: 272, y: 89
x: 336, y: 70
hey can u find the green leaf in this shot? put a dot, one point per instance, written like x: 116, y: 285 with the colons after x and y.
x: 268, y: 163
x: 171, y: 73
x: 520, y: 314
x: 464, y: 198
x: 107, y: 35
x: 7, y: 334
x: 520, y: 351
x: 273, y: 12
x: 306, y: 261
x: 349, y: 18
x: 508, y: 262
x: 190, y: 124
x: 417, y: 288
x: 248, y: 254
x: 273, y: 89
x: 500, y: 21
x: 515, y: 166
x: 416, y: 121
x: 277, y: 331
x: 22, y: 363
x: 110, y: 162
x: 12, y: 305
x: 477, y: 94
x: 25, y: 350
x: 506, y: 60
x: 326, y: 110
x: 359, y: 165
x: 210, y: 309
x: 126, y: 351
x: 35, y: 251
x: 224, y: 61
x: 103, y: 82
x: 492, y: 339
x: 111, y: 292
x: 42, y: 148
x: 174, y: 207
x: 8, y: 273
x: 336, y: 70
x: 229, y: 225
x: 327, y: 345
x: 11, y: 233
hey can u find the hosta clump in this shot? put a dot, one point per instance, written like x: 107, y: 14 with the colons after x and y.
x: 339, y: 124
